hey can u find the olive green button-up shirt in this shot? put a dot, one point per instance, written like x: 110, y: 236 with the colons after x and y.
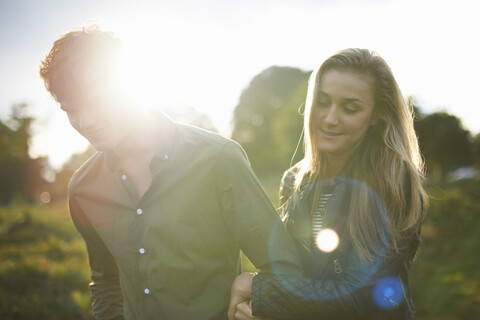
x: 174, y: 253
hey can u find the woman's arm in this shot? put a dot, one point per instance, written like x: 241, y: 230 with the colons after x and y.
x: 362, y: 288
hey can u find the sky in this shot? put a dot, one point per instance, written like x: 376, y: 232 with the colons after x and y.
x: 203, y: 54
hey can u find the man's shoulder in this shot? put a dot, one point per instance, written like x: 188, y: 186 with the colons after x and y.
x: 194, y: 132
x: 85, y: 171
x: 210, y: 141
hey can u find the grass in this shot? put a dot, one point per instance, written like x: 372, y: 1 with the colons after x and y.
x: 44, y: 271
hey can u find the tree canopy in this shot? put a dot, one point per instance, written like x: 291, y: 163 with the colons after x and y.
x: 20, y: 175
x: 266, y: 120
x: 444, y: 143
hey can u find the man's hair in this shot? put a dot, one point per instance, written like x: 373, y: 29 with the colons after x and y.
x: 84, y: 46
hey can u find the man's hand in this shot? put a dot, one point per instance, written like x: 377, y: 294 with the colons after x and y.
x: 241, y: 292
x: 240, y: 307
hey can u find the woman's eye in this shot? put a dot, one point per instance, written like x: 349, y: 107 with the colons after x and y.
x: 322, y: 103
x: 350, y: 109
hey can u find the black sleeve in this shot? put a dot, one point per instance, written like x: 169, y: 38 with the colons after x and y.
x: 362, y: 288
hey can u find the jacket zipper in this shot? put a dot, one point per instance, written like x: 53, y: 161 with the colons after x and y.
x: 336, y: 266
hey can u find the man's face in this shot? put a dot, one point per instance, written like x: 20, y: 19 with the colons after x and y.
x: 97, y: 112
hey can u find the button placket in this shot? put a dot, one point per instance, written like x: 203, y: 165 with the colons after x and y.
x: 142, y: 255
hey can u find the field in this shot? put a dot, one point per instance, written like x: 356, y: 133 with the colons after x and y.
x: 44, y: 270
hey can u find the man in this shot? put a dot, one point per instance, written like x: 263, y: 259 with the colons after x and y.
x: 164, y: 208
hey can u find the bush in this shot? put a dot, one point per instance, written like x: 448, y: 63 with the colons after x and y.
x: 445, y: 277
x: 44, y: 271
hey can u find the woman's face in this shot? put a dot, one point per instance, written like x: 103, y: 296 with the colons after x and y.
x: 342, y: 112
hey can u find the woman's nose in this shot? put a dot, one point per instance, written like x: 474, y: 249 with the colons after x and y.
x: 332, y: 116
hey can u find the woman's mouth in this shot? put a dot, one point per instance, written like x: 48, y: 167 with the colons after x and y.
x: 330, y: 134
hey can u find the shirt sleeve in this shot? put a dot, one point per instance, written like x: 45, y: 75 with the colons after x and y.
x: 250, y: 216
x: 107, y: 300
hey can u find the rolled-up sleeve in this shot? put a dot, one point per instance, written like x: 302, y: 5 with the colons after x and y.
x: 250, y: 216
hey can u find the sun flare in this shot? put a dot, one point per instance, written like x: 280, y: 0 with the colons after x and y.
x: 327, y: 240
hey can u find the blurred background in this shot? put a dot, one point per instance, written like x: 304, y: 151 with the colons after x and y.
x: 241, y: 69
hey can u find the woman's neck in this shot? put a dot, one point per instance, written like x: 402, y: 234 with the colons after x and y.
x: 333, y: 166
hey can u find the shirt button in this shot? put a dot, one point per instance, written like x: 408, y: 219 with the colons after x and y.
x: 141, y: 250
x: 165, y: 157
x: 124, y: 177
x: 147, y: 291
x: 139, y: 211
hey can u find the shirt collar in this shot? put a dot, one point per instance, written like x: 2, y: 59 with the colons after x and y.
x: 165, y: 147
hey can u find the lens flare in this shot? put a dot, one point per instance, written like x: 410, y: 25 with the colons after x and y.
x: 327, y: 240
x: 388, y: 292
x: 45, y: 197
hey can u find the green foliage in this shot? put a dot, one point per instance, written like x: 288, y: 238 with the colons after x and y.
x: 476, y: 151
x: 44, y: 270
x: 20, y: 175
x: 444, y: 143
x: 12, y: 151
x: 445, y: 277
x: 266, y: 122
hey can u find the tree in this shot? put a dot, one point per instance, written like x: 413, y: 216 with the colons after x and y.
x: 444, y: 143
x: 266, y: 122
x: 476, y: 151
x: 20, y: 175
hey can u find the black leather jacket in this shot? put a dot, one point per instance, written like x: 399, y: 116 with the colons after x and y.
x: 336, y: 285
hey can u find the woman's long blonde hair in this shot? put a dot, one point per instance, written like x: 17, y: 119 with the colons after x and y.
x: 388, y: 160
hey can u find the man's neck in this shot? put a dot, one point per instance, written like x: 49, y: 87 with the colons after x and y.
x: 135, y: 153
x: 140, y: 143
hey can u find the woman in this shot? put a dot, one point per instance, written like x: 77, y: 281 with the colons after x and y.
x: 361, y: 182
